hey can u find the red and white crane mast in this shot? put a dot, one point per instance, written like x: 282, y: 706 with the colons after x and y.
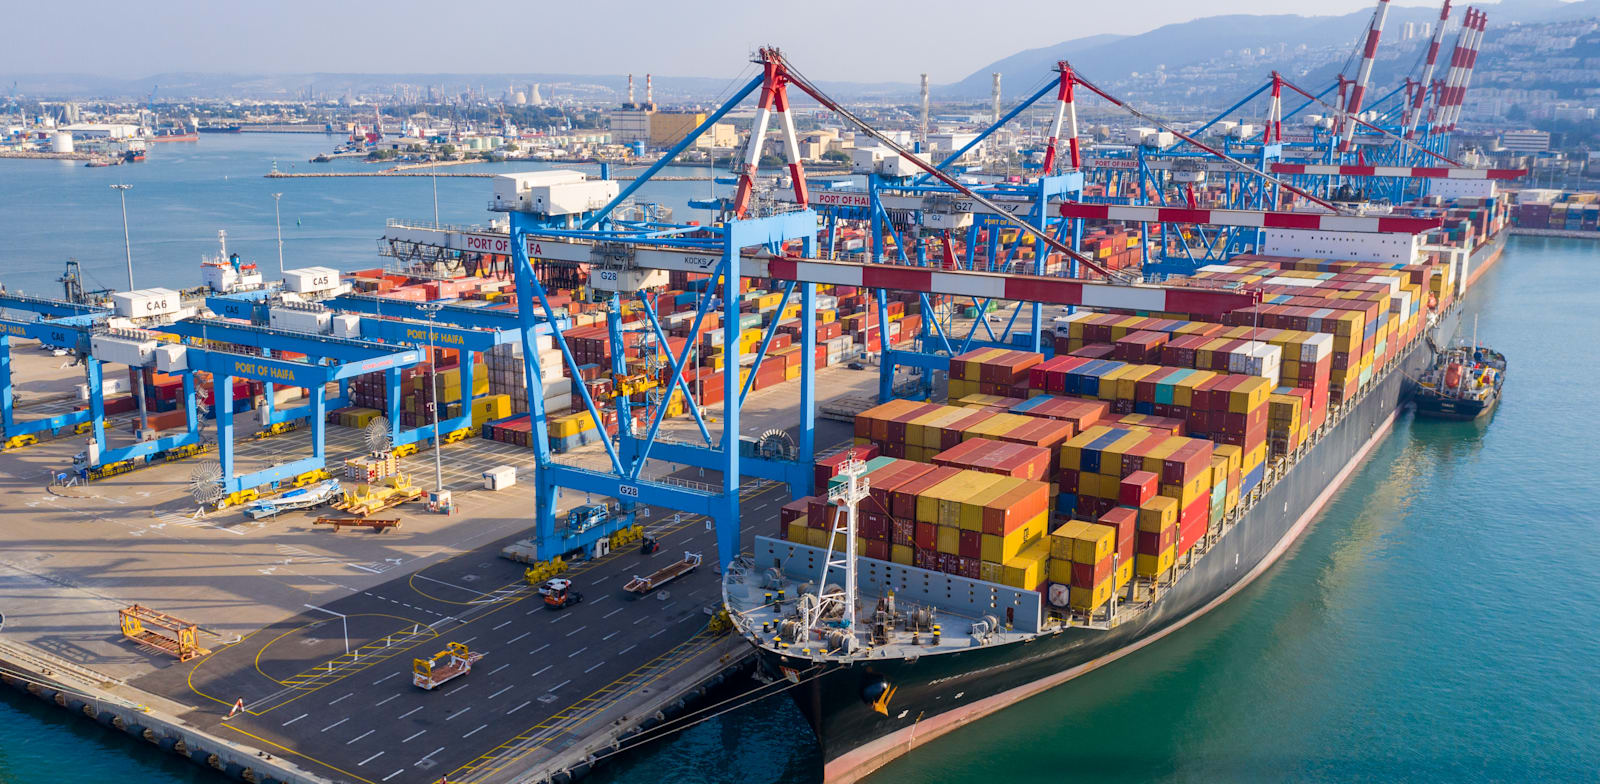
x: 1414, y: 103
x: 1067, y: 110
x: 1479, y: 25
x: 774, y: 100
x: 1369, y: 54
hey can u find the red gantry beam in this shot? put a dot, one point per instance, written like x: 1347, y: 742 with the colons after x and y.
x: 1007, y: 286
x: 1261, y: 219
x: 1447, y: 172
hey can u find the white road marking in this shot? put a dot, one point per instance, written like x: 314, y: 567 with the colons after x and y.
x: 519, y: 707
x: 575, y: 631
x: 387, y: 699
x: 452, y: 585
x: 601, y: 599
x: 386, y: 677
x: 295, y: 719
x: 613, y: 612
x: 518, y: 637
x: 474, y: 732
x: 500, y: 692
x: 609, y: 636
x: 658, y: 632
x: 501, y: 626
x: 541, y: 671
x: 501, y: 667
x: 409, y: 712
x: 625, y: 650
x: 642, y: 619
x: 458, y: 713
x: 369, y: 759
x: 540, y: 648
x: 392, y: 775
x: 414, y: 737
x: 430, y: 754
x: 596, y: 666
x: 559, y: 685
x: 335, y: 724
x: 359, y: 737
x: 578, y: 651
x: 342, y: 699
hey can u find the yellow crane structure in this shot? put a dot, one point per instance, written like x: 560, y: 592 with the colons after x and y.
x: 160, y: 631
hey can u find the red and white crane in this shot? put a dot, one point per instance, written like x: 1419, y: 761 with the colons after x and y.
x: 774, y: 100
x: 1369, y: 55
x: 1067, y: 110
x: 1479, y: 24
x: 1414, y: 100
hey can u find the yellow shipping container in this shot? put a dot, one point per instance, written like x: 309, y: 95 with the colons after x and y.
x: 1249, y: 395
x: 1233, y: 453
x: 990, y: 572
x: 1059, y: 570
x: 1090, y: 599
x: 1155, y: 565
x: 1093, y: 543
x: 947, y: 539
x: 1124, y: 573
x: 1062, y: 538
x: 1026, y: 569
x: 798, y: 532
x: 1158, y: 514
x: 900, y: 554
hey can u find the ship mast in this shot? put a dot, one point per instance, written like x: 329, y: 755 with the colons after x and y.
x: 847, y: 495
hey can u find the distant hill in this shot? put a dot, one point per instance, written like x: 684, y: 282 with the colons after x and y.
x: 1106, y: 58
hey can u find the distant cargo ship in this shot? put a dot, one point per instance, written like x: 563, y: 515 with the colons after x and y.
x: 173, y: 135
x: 234, y: 128
x: 935, y: 649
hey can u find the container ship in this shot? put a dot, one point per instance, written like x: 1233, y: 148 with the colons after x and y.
x: 1064, y: 511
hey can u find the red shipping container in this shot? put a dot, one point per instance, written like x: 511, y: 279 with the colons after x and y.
x: 1137, y: 488
x: 971, y: 544
x: 926, y: 536
x: 878, y: 550
x: 1089, y: 575
x: 1152, y: 543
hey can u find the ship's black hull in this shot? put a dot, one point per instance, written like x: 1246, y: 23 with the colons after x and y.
x: 938, y: 693
x: 1432, y: 406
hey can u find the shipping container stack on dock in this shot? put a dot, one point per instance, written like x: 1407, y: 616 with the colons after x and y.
x: 1089, y: 473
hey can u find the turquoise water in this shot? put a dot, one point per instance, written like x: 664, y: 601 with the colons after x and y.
x: 1438, y: 623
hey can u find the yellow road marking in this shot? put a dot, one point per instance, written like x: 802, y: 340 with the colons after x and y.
x: 302, y: 755
x: 512, y: 750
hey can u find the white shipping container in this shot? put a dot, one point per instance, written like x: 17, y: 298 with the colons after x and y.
x: 315, y: 321
x: 145, y: 303
x: 499, y: 478
x: 558, y: 404
x: 310, y: 280
x: 1318, y: 346
x: 345, y: 326
x: 122, y: 351
x: 557, y: 386
x: 171, y: 358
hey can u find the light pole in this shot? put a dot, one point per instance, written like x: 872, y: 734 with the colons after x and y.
x: 277, y: 216
x: 343, y: 618
x: 432, y: 309
x: 433, y: 172
x: 127, y: 244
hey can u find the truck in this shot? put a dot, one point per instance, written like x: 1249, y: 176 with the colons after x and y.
x: 639, y: 586
x: 558, y: 594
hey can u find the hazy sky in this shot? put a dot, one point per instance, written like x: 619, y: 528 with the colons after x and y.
x: 856, y: 40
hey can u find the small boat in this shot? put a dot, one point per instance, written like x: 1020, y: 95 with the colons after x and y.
x: 308, y: 497
x: 95, y: 163
x: 1463, y: 383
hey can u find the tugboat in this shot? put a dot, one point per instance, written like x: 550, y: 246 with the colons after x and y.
x: 1463, y: 383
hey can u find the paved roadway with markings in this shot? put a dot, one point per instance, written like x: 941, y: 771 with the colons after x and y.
x: 355, y: 716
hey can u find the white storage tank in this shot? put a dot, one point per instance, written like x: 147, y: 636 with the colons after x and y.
x: 311, y: 280
x: 61, y: 142
x: 146, y: 303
